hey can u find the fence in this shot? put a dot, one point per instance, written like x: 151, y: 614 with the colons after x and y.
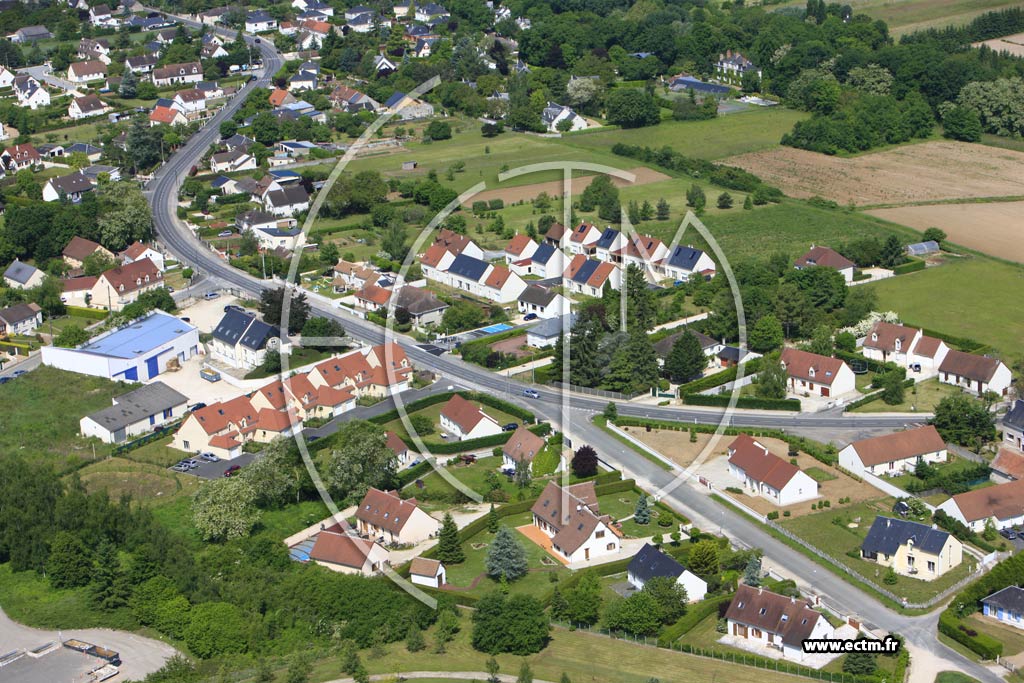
x: 642, y: 446
x: 598, y: 392
x: 725, y: 655
x: 890, y: 489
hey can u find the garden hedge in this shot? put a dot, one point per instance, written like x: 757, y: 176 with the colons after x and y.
x: 876, y: 396
x: 872, y: 365
x: 911, y: 267
x: 694, y: 615
x: 719, y: 378
x: 982, y: 644
x: 743, y: 402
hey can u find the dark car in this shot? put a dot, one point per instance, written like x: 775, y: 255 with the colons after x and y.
x: 211, y: 295
x: 1008, y: 534
x: 510, y: 427
x: 530, y: 316
x: 18, y: 373
x: 196, y: 406
x: 232, y: 307
x: 257, y: 41
x: 5, y: 380
x: 231, y: 470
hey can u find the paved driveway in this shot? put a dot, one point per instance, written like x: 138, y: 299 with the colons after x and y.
x: 45, y: 74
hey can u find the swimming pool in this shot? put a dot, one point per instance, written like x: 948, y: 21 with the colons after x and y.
x: 495, y: 328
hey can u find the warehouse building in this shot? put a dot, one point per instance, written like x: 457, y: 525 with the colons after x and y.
x: 134, y: 353
x: 136, y: 413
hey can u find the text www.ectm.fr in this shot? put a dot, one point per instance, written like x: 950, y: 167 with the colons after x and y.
x: 887, y: 645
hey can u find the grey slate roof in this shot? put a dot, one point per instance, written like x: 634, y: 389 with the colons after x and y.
x: 684, y: 258
x: 538, y: 296
x: 1010, y: 598
x: 650, y: 562
x: 287, y: 196
x: 72, y: 183
x: 468, y: 267
x: 138, y: 405
x: 888, y: 534
x: 1015, y: 417
x: 20, y: 272
x: 237, y: 327
x: 607, y: 238
x: 543, y: 254
x: 552, y: 327
x: 19, y: 313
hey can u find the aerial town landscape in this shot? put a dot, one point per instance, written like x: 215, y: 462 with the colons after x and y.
x: 521, y: 341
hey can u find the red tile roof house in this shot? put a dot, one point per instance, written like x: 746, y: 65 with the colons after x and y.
x: 79, y: 248
x: 581, y: 238
x: 519, y: 247
x: 347, y: 554
x: 770, y: 620
x: 975, y: 374
x: 221, y: 428
x: 523, y: 446
x: 458, y: 244
x: 1007, y: 466
x: 1003, y: 504
x: 812, y: 374
x: 827, y: 258
x: 386, y: 517
x: 465, y: 420
x: 905, y: 346
x: 894, y: 454
x: 118, y: 287
x: 767, y: 475
x: 570, y: 518
x: 381, y: 370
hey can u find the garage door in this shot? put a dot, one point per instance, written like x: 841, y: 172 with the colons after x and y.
x: 152, y: 367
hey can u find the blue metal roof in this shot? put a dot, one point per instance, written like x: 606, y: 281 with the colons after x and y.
x: 607, y: 238
x: 685, y: 258
x: 394, y: 99
x: 140, y: 338
x: 543, y: 253
x: 468, y: 267
x: 220, y: 181
x: 585, y: 271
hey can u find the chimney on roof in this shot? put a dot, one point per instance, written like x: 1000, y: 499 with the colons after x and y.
x: 792, y: 600
x: 760, y: 590
x: 888, y: 522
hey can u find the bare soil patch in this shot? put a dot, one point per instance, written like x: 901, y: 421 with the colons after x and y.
x: 675, y: 445
x: 1013, y: 44
x: 989, y: 228
x: 526, y: 193
x: 929, y: 171
x: 512, y: 345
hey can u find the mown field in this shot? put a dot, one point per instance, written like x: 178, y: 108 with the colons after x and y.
x: 906, y: 16
x: 971, y: 297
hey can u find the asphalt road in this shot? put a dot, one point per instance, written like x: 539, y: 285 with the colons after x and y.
x: 569, y: 410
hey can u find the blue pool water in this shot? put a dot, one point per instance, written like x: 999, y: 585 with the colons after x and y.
x: 495, y: 328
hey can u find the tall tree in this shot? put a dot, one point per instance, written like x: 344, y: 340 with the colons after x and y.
x: 506, y: 557
x: 584, y: 461
x: 449, y: 547
x: 641, y: 307
x: 703, y: 560
x: 766, y: 334
x: 772, y: 380
x: 642, y: 511
x: 360, y: 459
x: 70, y: 562
x: 669, y: 595
x: 583, y: 601
x: 963, y: 420
x: 686, y: 360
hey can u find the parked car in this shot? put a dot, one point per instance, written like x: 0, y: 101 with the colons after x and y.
x: 211, y: 295
x: 179, y: 468
x: 510, y: 427
x: 209, y: 457
x: 170, y: 289
x: 190, y: 462
x: 185, y: 319
x: 530, y: 316
x: 231, y: 470
x: 196, y: 406
x: 5, y: 380
x: 18, y: 373
x: 1008, y: 534
x: 531, y: 393
x: 232, y: 307
x: 225, y: 233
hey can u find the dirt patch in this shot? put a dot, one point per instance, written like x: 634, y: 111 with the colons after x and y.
x: 525, y: 193
x: 675, y: 445
x: 1013, y: 44
x: 923, y: 172
x: 989, y: 228
x: 512, y: 345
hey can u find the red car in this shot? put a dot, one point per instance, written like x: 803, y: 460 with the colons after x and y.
x: 231, y: 470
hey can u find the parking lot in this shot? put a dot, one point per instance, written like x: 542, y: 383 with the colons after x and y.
x: 215, y: 470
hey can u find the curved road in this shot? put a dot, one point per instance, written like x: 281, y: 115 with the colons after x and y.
x: 571, y: 411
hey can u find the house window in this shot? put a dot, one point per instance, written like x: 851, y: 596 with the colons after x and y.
x: 599, y: 534
x: 931, y: 566
x: 185, y: 445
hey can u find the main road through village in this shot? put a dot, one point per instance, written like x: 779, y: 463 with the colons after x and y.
x: 572, y: 411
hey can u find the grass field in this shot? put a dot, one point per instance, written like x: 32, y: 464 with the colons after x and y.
x: 922, y: 397
x: 966, y: 298
x: 583, y: 657
x: 299, y: 356
x: 905, y: 16
x: 954, y: 464
x: 28, y: 597
x: 747, y: 131
x: 954, y: 677
x: 1011, y: 638
x: 143, y: 482
x: 836, y: 539
x: 42, y: 412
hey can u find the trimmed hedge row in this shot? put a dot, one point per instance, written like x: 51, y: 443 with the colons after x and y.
x: 961, y: 343
x: 870, y: 364
x: 414, y: 473
x: 696, y: 614
x: 491, y: 441
x: 91, y: 313
x: 982, y: 644
x: 744, y: 402
x: 15, y: 348
x: 719, y: 378
x: 911, y: 267
x: 876, y: 396
x: 615, y: 487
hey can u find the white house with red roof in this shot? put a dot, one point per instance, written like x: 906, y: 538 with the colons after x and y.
x: 589, y: 277
x: 769, y: 620
x: 580, y: 238
x: 975, y: 374
x: 519, y: 248
x: 894, y: 454
x: 767, y: 475
x: 381, y: 370
x: 466, y: 420
x: 572, y: 522
x: 120, y: 286
x: 340, y: 552
x: 810, y: 373
x: 388, y: 518
x: 222, y: 428
x: 138, y: 251
x: 827, y: 258
x: 471, y: 275
x: 906, y: 346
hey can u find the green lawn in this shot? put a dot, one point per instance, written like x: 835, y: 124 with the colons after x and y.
x: 966, y: 298
x: 953, y: 465
x: 836, y: 539
x: 583, y: 657
x: 819, y: 475
x: 64, y: 321
x: 537, y: 582
x: 433, y: 413
x: 157, y: 452
x: 43, y: 409
x: 922, y: 397
x: 954, y: 677
x: 28, y: 597
x: 144, y: 482
x: 299, y: 356
x: 747, y: 131
x: 475, y: 477
x: 1012, y: 638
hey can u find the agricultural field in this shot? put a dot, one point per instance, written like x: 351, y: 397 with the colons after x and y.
x: 554, y: 188
x: 141, y: 481
x: 966, y: 298
x: 1013, y: 44
x: 991, y: 228
x: 746, y: 131
x: 928, y: 171
x: 906, y: 16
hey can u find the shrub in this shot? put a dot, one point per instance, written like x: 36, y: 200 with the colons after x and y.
x: 774, y: 514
